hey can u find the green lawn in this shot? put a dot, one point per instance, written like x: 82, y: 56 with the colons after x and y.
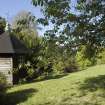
x: 81, y: 88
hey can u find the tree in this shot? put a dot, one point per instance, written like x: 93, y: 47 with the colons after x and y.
x: 23, y: 20
x: 24, y: 24
x: 24, y: 27
x: 2, y: 25
x: 85, y: 26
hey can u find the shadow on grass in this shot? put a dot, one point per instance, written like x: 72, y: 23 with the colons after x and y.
x: 17, y: 97
x: 93, y: 84
x: 45, y: 78
x: 49, y: 77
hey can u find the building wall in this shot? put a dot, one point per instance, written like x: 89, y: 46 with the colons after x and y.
x: 6, y: 66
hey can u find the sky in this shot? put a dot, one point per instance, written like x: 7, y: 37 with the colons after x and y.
x: 9, y: 9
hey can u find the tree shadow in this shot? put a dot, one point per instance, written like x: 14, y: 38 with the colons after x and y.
x: 94, y: 89
x: 49, y: 77
x: 94, y: 83
x: 17, y: 97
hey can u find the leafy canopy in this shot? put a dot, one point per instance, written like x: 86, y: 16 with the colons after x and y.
x: 84, y: 26
x: 2, y: 25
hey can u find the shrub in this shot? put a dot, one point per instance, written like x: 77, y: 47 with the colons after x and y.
x: 26, y: 73
x: 86, y: 56
x: 101, y: 57
x: 71, y: 68
x: 21, y: 73
x: 2, y: 87
x: 65, y: 66
x: 58, y: 67
x: 2, y: 82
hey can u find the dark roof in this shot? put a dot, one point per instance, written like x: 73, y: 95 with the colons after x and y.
x: 9, y: 44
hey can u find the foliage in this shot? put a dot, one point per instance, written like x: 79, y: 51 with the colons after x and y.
x: 2, y: 81
x: 75, y: 40
x: 79, y: 27
x: 89, y: 56
x: 23, y: 73
x: 101, y: 56
x: 83, y: 27
x: 57, y: 55
x: 86, y: 57
x: 2, y: 25
x: 24, y: 20
x: 3, y: 84
x: 24, y: 27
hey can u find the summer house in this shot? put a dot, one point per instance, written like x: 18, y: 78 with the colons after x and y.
x: 10, y: 49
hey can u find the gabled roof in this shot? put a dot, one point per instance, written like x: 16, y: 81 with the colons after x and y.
x: 9, y: 44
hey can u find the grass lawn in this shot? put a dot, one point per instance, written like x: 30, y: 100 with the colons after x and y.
x: 81, y: 88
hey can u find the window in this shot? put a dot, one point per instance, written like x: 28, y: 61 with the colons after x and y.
x: 21, y: 59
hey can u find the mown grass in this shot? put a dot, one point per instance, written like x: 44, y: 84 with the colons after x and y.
x: 81, y: 88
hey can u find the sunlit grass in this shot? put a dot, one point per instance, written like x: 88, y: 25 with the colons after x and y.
x: 81, y: 88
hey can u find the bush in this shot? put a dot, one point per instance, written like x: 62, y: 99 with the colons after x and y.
x: 101, y: 57
x: 2, y: 86
x: 26, y: 73
x: 71, y: 68
x: 86, y: 56
x: 58, y: 67
x: 2, y: 82
x: 65, y: 66
x: 21, y: 73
